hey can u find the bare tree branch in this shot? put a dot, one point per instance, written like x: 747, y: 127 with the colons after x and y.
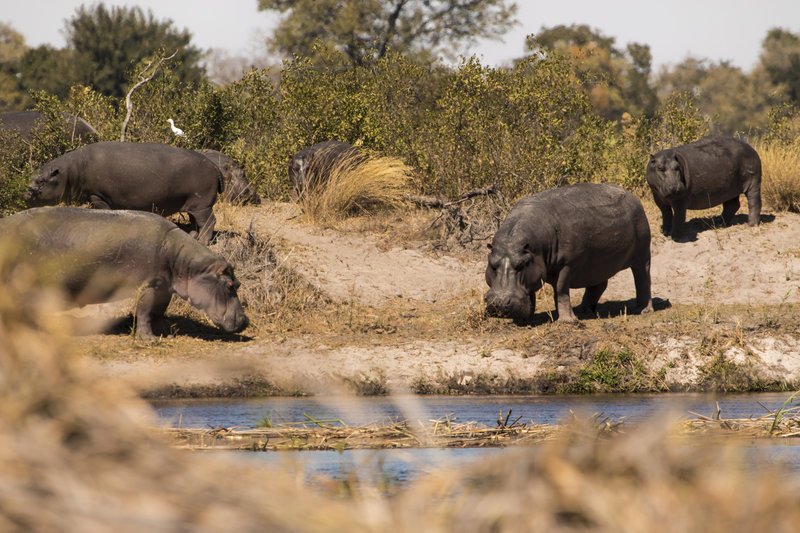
x: 143, y: 78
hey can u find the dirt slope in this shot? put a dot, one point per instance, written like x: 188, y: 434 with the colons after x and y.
x: 739, y: 267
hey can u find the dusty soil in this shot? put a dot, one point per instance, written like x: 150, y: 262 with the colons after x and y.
x: 408, y: 319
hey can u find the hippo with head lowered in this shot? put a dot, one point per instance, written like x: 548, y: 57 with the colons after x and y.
x: 235, y: 187
x: 570, y: 237
x: 153, y: 177
x: 311, y: 166
x: 711, y: 171
x: 97, y: 256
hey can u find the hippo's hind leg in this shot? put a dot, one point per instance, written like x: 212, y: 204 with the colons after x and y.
x: 641, y: 279
x: 591, y: 296
x: 150, y: 308
x: 729, y: 208
x: 754, y: 205
x: 204, y: 221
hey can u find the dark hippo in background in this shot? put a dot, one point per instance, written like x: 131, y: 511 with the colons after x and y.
x: 235, y: 187
x: 97, y: 256
x: 576, y: 236
x: 702, y: 174
x: 76, y: 130
x: 153, y: 177
x: 310, y: 167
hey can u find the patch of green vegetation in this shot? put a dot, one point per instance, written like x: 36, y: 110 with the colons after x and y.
x: 611, y: 371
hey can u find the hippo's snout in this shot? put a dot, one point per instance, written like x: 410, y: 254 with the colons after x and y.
x: 508, y: 304
x: 234, y: 320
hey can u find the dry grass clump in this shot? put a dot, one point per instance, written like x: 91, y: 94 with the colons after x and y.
x: 780, y: 170
x: 354, y: 184
x: 271, y: 289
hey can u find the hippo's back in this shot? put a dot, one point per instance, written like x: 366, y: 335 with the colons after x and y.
x: 583, y: 209
x: 93, y: 255
x: 24, y: 122
x: 595, y: 229
x: 716, y: 169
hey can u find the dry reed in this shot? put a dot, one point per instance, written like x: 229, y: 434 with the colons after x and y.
x: 780, y: 170
x: 354, y: 184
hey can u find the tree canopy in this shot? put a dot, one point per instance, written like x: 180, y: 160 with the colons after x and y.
x: 419, y: 28
x: 617, y: 79
x: 102, y: 46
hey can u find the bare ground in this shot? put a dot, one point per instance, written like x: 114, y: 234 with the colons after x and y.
x: 727, y: 313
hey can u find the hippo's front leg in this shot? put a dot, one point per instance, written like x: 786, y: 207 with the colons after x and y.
x: 561, y: 296
x: 150, y: 308
x: 666, y: 214
x: 678, y: 219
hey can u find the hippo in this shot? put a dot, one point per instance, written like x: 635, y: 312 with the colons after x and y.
x: 310, y: 167
x: 712, y: 171
x: 153, y: 177
x: 569, y: 237
x: 235, y: 188
x: 76, y: 130
x: 97, y: 256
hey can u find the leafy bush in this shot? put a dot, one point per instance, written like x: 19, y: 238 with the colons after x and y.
x: 522, y: 129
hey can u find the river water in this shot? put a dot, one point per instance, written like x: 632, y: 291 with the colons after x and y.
x: 403, y: 465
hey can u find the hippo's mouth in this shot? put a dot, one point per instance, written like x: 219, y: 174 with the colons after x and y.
x: 505, y: 305
x: 233, y: 322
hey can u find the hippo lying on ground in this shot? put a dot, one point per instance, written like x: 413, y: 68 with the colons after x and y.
x: 153, y: 177
x: 235, y: 188
x: 98, y: 256
x: 76, y: 130
x: 702, y: 174
x: 310, y: 167
x: 576, y: 236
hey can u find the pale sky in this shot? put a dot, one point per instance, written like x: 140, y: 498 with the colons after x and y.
x: 729, y: 30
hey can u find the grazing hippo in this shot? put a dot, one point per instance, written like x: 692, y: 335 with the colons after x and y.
x: 235, y: 188
x: 76, y: 130
x: 570, y: 237
x: 153, y: 177
x: 702, y: 174
x: 310, y: 167
x: 98, y: 256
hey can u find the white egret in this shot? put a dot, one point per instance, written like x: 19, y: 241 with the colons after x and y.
x: 175, y: 129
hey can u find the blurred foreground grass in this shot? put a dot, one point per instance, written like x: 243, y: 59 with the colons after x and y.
x: 80, y: 454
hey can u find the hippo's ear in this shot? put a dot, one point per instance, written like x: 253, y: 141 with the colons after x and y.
x: 685, y: 175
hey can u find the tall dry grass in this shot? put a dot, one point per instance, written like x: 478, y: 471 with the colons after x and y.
x: 780, y: 174
x: 354, y: 184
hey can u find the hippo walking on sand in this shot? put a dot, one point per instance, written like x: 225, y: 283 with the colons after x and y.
x: 97, y: 256
x: 235, y: 187
x: 25, y: 122
x: 702, y: 174
x: 311, y: 166
x: 153, y: 177
x: 570, y: 237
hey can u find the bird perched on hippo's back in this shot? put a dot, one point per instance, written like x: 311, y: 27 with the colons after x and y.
x: 153, y: 177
